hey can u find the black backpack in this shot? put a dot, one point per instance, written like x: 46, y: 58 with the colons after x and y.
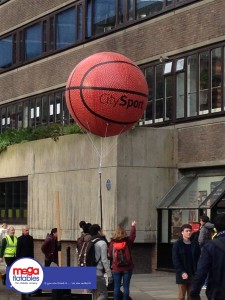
x: 86, y: 257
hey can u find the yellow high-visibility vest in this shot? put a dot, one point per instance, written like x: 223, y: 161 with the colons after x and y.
x: 10, y: 250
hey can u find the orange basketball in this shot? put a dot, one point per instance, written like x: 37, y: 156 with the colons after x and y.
x: 106, y: 93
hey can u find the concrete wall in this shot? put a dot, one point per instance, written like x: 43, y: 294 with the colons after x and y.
x: 141, y: 165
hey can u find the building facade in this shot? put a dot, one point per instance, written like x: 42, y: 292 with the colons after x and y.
x: 177, y: 146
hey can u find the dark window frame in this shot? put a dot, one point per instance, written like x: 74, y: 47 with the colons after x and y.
x: 49, y: 23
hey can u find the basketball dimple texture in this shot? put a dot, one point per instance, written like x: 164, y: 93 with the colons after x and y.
x: 106, y: 93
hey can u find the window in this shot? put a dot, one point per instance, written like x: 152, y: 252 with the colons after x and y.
x: 68, y: 27
x: 104, y: 16
x: 204, y: 82
x: 150, y: 80
x: 190, y: 86
x: 148, y: 7
x: 180, y: 96
x: 6, y: 52
x: 184, y: 201
x: 33, y: 41
x: 216, y: 82
x: 192, y: 67
x: 13, y: 201
x: 65, y: 28
x: 159, y: 94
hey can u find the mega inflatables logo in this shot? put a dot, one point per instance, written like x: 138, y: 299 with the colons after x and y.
x: 26, y: 275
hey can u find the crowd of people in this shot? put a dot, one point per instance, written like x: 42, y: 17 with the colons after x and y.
x: 113, y: 259
x: 199, y: 260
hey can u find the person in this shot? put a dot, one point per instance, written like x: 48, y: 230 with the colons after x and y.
x: 212, y: 262
x: 206, y: 230
x: 85, y: 237
x: 205, y: 235
x: 3, y: 232
x: 25, y: 244
x: 50, y: 248
x: 185, y: 255
x: 81, y: 225
x: 8, y: 249
x: 122, y: 274
x: 103, y: 265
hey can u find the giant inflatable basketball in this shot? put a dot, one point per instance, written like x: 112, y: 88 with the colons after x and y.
x: 106, y: 93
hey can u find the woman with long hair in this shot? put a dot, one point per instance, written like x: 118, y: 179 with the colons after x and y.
x: 122, y: 264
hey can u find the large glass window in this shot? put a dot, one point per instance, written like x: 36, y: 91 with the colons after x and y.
x: 33, y: 41
x: 65, y: 28
x: 6, y: 52
x: 104, y: 16
x: 13, y: 201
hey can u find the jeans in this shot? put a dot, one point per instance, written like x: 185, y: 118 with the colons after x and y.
x: 118, y: 277
x: 102, y: 288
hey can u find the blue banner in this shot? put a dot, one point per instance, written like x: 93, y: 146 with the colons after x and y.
x: 61, y: 278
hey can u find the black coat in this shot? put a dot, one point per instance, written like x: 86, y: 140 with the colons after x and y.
x: 182, y: 263
x: 25, y: 246
x: 211, y: 262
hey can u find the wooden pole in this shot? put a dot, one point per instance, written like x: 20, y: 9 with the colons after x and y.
x: 58, y: 228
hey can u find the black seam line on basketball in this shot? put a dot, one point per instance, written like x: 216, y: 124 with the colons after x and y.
x: 106, y: 63
x: 109, y: 62
x: 105, y: 89
x: 99, y: 116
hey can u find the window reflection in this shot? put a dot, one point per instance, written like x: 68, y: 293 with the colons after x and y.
x: 65, y: 28
x: 216, y: 69
x: 146, y: 8
x: 33, y: 41
x: 203, y: 82
x: 192, y: 67
x: 104, y: 16
x: 6, y: 52
x: 159, y: 94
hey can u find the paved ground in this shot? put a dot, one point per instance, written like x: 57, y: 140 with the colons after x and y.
x: 156, y: 286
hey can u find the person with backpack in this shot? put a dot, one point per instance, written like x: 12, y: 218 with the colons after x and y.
x: 122, y: 264
x: 82, y: 243
x: 97, y: 255
x: 212, y: 262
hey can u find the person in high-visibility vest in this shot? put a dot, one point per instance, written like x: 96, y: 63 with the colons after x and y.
x: 8, y: 249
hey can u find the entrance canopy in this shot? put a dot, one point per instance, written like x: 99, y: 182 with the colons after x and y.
x: 195, y: 192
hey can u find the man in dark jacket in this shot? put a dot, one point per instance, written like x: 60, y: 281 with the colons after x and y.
x: 185, y: 258
x: 212, y: 262
x: 25, y: 244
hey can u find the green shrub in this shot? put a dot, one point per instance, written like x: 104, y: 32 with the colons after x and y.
x: 54, y: 131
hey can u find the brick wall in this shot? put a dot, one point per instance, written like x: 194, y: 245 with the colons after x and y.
x: 172, y: 32
x: 199, y: 144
